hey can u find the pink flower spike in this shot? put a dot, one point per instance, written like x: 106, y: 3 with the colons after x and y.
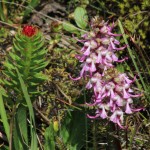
x: 113, y: 107
x: 128, y: 109
x: 103, y: 29
x: 82, y: 49
x: 75, y: 79
x: 93, y: 117
x: 105, y: 68
x: 114, y: 57
x: 112, y: 34
x: 112, y: 93
x: 93, y: 44
x: 119, y: 102
x: 103, y: 113
x: 87, y: 52
x: 92, y: 68
x: 112, y: 90
x: 99, y: 58
x: 105, y: 41
x: 122, y: 60
x: 82, y: 71
x: 113, y: 117
x: 130, y: 90
x: 116, y: 42
x: 78, y: 56
x: 99, y: 96
x: 81, y: 58
x: 137, y: 95
x: 117, y: 117
x: 137, y: 109
x: 107, y: 64
x: 89, y: 85
x: 119, y: 124
x: 112, y: 45
x: 120, y: 48
x: 125, y: 94
x: 126, y: 78
x: 108, y: 57
x: 98, y: 100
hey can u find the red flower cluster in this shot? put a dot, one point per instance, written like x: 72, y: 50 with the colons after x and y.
x: 29, y: 30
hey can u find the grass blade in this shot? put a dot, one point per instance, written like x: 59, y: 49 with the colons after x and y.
x: 31, y: 113
x: 4, y: 116
x: 131, y: 55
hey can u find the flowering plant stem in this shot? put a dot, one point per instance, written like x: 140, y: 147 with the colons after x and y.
x: 23, y: 72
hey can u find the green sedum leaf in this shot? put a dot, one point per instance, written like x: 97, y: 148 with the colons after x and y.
x: 28, y: 56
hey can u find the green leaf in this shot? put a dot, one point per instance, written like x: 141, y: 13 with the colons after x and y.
x: 39, y: 68
x: 7, y: 83
x: 2, y: 16
x: 40, y: 77
x: 32, y: 4
x: 38, y: 45
x: 81, y: 18
x: 40, y: 53
x: 64, y: 131
x: 18, y: 38
x: 38, y: 37
x: 18, y: 48
x: 3, y: 92
x: 49, y: 138
x: 73, y: 129
x: 120, y: 68
x: 37, y: 61
x: 78, y: 129
x: 10, y: 74
x: 16, y: 136
x: 31, y: 112
x: 22, y: 121
x: 5, y: 147
x: 4, y: 116
x: 9, y: 65
x: 70, y: 28
x: 14, y: 57
x: 131, y: 55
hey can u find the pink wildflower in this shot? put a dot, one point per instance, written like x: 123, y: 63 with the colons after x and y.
x: 112, y: 92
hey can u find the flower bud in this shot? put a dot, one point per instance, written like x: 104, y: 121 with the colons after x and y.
x: 88, y: 60
x: 93, y: 44
x: 103, y: 29
x: 29, y: 30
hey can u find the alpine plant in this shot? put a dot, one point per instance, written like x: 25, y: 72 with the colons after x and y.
x: 112, y: 92
x: 28, y: 55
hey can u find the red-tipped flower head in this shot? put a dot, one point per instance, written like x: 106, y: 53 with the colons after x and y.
x: 29, y: 30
